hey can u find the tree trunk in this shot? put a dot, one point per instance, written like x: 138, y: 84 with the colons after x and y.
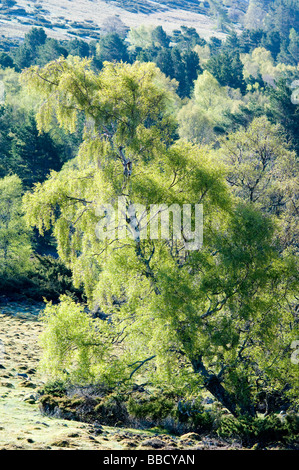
x: 213, y: 384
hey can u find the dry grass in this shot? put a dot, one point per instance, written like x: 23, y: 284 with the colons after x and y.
x: 62, y: 13
x: 22, y: 426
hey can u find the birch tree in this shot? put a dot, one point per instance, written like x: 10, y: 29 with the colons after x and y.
x: 215, y: 318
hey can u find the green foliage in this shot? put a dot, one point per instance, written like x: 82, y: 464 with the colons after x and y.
x: 49, y: 278
x: 284, y: 111
x: 56, y: 388
x: 25, y: 54
x: 260, y: 63
x: 208, y: 112
x: 218, y: 317
x: 264, y: 430
x: 169, y: 410
x: 227, y: 68
x: 6, y: 60
x: 78, y: 47
x: 74, y: 347
x: 222, y: 318
x: 156, y: 407
x: 187, y: 38
x: 183, y: 67
x: 264, y: 170
x: 15, y: 246
x: 283, y: 15
x: 112, y: 410
x: 112, y: 47
x: 24, y: 151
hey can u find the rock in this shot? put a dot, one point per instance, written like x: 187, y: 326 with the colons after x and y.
x: 155, y: 443
x: 61, y: 443
x: 24, y: 376
x: 2, y: 366
x: 31, y: 399
x: 129, y: 444
x: 98, y: 430
x: 27, y: 384
x: 7, y: 384
x: 6, y: 375
x: 190, y: 436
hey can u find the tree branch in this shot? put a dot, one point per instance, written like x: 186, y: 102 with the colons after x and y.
x: 140, y: 364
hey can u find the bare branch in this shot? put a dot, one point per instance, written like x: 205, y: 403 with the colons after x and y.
x: 140, y: 364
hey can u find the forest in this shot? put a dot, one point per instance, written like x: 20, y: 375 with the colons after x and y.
x: 202, y: 340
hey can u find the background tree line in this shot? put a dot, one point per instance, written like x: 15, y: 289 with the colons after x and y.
x: 222, y: 85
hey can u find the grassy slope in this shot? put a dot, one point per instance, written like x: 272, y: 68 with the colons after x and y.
x: 64, y: 18
x: 23, y: 426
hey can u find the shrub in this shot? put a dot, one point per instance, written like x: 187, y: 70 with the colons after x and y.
x: 168, y: 410
x: 45, y: 278
x: 56, y: 388
x: 154, y: 407
x: 50, y: 279
x: 264, y: 430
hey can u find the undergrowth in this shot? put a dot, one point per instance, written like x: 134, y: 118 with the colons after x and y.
x: 165, y: 410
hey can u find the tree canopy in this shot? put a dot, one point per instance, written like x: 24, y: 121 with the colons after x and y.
x: 219, y: 318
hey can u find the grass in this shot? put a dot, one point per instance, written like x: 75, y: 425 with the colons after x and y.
x: 94, y: 13
x: 24, y: 427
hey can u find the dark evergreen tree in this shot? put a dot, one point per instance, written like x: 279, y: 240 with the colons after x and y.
x: 283, y: 15
x: 35, y: 37
x: 186, y: 38
x: 26, y: 53
x: 285, y: 111
x: 25, y: 152
x: 215, y: 45
x: 272, y: 42
x: 227, y: 68
x: 160, y: 38
x: 77, y: 47
x: 113, y: 48
x: 293, y: 48
x: 232, y: 42
x: 6, y: 60
x: 193, y: 68
x: 250, y: 39
x: 164, y: 60
x: 179, y: 72
x: 51, y: 50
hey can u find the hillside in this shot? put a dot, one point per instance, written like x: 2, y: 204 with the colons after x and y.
x: 62, y: 19
x: 25, y: 427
